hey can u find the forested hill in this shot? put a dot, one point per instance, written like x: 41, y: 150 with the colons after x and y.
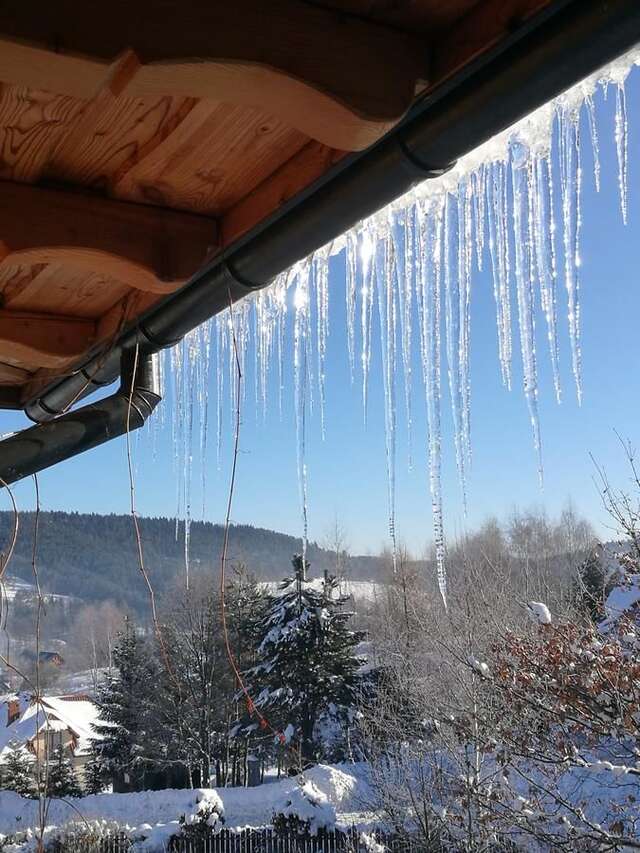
x: 93, y: 557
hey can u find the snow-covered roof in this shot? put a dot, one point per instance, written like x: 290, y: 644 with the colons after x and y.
x: 76, y: 714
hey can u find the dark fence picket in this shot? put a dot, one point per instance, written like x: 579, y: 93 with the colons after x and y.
x: 265, y: 840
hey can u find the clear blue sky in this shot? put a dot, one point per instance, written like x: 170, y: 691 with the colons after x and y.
x: 347, y: 476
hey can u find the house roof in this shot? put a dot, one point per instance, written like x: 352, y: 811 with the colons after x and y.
x: 52, y: 713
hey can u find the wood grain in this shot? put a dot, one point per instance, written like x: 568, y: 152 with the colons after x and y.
x: 338, y: 79
x: 31, y: 124
x: 318, y: 114
x: 113, y: 136
x: 306, y: 166
x: 484, y: 26
x: 367, y: 66
x: 59, y: 289
x: 43, y: 340
x: 10, y: 375
x: 217, y: 155
x: 146, y: 247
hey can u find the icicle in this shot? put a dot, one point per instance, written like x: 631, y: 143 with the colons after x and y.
x: 300, y: 366
x: 385, y: 287
x: 178, y: 424
x: 367, y: 248
x: 453, y: 315
x: 321, y: 270
x: 464, y: 308
x: 524, y: 290
x: 351, y: 261
x: 205, y: 366
x: 569, y: 154
x: 401, y: 226
x: 478, y: 187
x: 543, y: 224
x: 221, y: 328
x: 595, y: 145
x: 190, y: 367
x: 621, y: 146
x: 430, y: 242
x: 500, y: 265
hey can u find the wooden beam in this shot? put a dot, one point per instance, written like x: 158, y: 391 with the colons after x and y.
x: 146, y: 247
x: 43, y: 340
x: 10, y: 375
x: 484, y: 26
x: 302, y: 169
x: 339, y: 78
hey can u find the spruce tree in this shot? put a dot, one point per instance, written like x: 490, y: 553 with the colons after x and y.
x: 17, y: 773
x: 590, y: 587
x: 95, y: 779
x: 60, y: 778
x: 306, y: 682
x: 125, y: 739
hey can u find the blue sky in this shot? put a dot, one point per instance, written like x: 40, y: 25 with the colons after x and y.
x: 347, y: 477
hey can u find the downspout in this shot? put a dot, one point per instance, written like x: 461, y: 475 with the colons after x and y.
x: 45, y: 444
x: 547, y: 56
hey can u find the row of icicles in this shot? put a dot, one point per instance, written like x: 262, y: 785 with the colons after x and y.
x: 412, y: 264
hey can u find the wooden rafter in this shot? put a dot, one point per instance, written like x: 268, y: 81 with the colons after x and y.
x: 295, y: 174
x: 148, y: 248
x: 43, y: 340
x: 339, y: 79
x: 480, y: 29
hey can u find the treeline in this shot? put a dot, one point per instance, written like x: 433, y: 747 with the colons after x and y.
x: 93, y: 557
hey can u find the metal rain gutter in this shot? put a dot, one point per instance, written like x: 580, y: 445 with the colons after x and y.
x: 554, y: 52
x: 45, y: 444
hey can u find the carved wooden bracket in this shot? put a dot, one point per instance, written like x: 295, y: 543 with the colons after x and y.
x: 341, y: 80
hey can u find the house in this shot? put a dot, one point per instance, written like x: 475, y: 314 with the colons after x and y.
x: 45, y: 657
x: 43, y: 726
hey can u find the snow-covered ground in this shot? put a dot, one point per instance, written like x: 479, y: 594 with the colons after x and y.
x: 342, y: 785
x: 84, y: 681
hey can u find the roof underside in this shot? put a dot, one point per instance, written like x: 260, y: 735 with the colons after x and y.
x: 139, y: 140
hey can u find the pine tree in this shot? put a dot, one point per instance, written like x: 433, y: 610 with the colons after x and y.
x: 95, y: 779
x: 17, y: 775
x: 125, y: 738
x: 246, y: 607
x: 590, y: 587
x: 306, y: 682
x: 61, y: 779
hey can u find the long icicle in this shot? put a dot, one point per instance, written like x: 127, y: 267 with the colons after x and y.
x: 430, y: 242
x: 301, y: 374
x: 385, y: 287
x: 524, y: 289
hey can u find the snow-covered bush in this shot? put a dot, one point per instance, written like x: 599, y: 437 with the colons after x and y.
x: 78, y: 836
x: 207, y: 818
x: 305, y: 811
